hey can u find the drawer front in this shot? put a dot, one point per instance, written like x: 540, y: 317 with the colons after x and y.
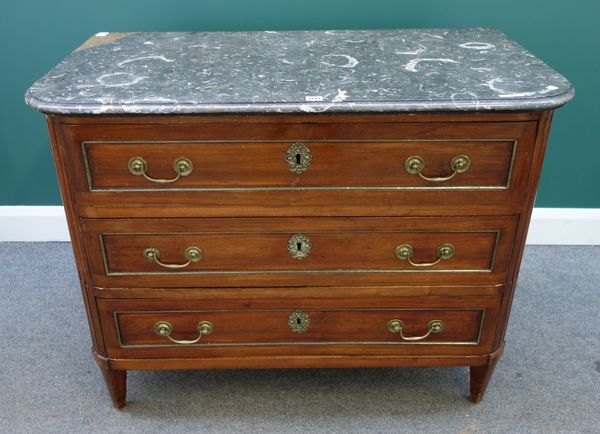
x: 298, y: 252
x: 230, y: 169
x: 192, y: 326
x: 309, y: 164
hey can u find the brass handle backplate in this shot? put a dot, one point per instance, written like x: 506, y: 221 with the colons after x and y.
x: 299, y: 246
x: 182, y: 166
x: 298, y: 157
x: 192, y: 254
x: 459, y: 164
x: 397, y: 326
x: 443, y: 252
x: 299, y: 321
x: 164, y: 328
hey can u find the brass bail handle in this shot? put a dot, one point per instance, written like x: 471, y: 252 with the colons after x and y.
x: 459, y: 164
x: 182, y: 166
x: 397, y: 326
x: 165, y: 328
x: 444, y: 252
x: 192, y: 254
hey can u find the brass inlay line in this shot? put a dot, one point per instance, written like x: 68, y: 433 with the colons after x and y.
x: 332, y: 271
x: 302, y: 343
x: 294, y: 188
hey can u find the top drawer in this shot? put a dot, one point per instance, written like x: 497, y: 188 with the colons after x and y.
x: 310, y: 165
x: 332, y: 165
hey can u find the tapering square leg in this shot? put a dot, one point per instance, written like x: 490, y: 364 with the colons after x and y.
x: 116, y: 381
x: 479, y: 379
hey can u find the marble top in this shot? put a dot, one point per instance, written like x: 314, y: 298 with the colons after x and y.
x: 299, y: 72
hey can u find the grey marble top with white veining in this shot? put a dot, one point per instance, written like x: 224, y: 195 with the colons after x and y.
x: 299, y: 72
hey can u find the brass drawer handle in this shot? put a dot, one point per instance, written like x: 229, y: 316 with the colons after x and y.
x: 298, y: 157
x: 299, y: 246
x: 443, y: 252
x: 459, y: 164
x: 164, y: 328
x: 192, y: 254
x: 397, y: 326
x: 182, y: 166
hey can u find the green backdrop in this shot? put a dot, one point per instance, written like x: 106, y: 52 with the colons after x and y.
x: 35, y: 35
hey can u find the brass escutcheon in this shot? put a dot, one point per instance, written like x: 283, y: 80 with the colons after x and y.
x: 298, y: 157
x: 299, y: 246
x: 299, y: 321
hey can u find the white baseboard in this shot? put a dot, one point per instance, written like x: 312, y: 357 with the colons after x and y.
x: 561, y: 226
x: 33, y: 223
x: 565, y: 226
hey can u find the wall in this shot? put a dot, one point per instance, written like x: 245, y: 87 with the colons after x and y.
x: 35, y: 35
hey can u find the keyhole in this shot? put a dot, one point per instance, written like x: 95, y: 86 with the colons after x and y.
x: 298, y: 321
x: 298, y: 159
x: 299, y: 246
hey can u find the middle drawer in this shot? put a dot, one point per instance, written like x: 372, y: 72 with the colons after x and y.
x: 298, y: 251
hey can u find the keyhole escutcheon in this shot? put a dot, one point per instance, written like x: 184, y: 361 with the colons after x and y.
x: 299, y: 321
x: 299, y: 246
x: 298, y: 157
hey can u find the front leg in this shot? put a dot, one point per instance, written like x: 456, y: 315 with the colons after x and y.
x: 116, y: 381
x: 480, y: 377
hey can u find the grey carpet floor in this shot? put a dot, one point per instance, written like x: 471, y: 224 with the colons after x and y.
x: 547, y: 382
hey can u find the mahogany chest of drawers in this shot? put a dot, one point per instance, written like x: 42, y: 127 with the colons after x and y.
x: 298, y: 199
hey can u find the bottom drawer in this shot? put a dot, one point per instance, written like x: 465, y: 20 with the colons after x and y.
x: 166, y: 328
